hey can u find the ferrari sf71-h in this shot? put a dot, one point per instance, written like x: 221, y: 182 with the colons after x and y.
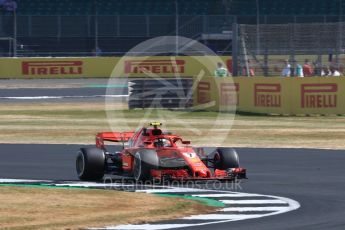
x: 150, y: 153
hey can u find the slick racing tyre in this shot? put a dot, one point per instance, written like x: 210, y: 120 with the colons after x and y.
x: 226, y: 158
x: 90, y: 164
x: 144, y: 161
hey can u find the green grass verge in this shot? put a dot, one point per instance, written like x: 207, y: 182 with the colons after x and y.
x: 206, y: 201
x: 76, y: 123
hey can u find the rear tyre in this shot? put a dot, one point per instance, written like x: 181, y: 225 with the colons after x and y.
x: 144, y: 161
x: 226, y: 158
x: 90, y: 164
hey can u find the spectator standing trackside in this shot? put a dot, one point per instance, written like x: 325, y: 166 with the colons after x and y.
x: 335, y: 72
x: 299, y: 71
x: 317, y: 68
x: 307, y: 69
x: 287, y: 69
x: 221, y: 71
x: 325, y: 71
x: 251, y: 70
x: 293, y: 68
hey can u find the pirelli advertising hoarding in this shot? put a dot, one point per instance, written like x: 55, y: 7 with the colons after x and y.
x: 314, y: 95
x: 54, y: 67
x: 162, y: 66
x: 168, y: 66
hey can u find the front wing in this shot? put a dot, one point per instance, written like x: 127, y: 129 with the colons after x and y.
x: 183, y: 175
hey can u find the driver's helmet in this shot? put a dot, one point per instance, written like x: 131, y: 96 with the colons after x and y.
x: 161, y: 142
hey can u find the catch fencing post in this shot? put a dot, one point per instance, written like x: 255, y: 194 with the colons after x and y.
x: 234, y: 49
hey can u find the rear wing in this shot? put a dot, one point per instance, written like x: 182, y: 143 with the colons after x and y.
x: 113, y: 137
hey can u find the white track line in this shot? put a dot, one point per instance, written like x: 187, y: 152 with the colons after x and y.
x: 254, y: 209
x: 218, y: 217
x: 60, y: 97
x: 19, y: 180
x: 227, y: 195
x: 253, y: 201
x: 146, y: 227
x: 170, y: 190
x: 86, y: 185
x: 223, y: 217
x: 206, y: 219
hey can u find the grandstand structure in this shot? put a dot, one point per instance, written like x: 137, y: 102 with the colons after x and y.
x: 76, y: 27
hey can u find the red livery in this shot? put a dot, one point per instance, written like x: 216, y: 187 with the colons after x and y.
x: 150, y: 153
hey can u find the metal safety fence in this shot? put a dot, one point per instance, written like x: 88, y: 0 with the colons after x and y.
x: 267, y: 49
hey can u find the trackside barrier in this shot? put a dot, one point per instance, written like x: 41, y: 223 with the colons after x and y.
x: 125, y: 67
x: 78, y: 67
x: 153, y: 93
x: 291, y: 96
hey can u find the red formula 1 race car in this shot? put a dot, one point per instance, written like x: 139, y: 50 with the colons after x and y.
x: 153, y: 154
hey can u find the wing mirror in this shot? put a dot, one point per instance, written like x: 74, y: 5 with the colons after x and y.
x: 147, y: 142
x: 186, y: 142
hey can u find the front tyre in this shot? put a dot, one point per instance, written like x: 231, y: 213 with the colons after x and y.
x: 226, y: 158
x: 90, y: 164
x: 144, y: 161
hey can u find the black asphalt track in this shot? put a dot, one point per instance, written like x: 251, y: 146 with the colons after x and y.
x: 63, y: 92
x: 314, y: 178
x: 13, y: 91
